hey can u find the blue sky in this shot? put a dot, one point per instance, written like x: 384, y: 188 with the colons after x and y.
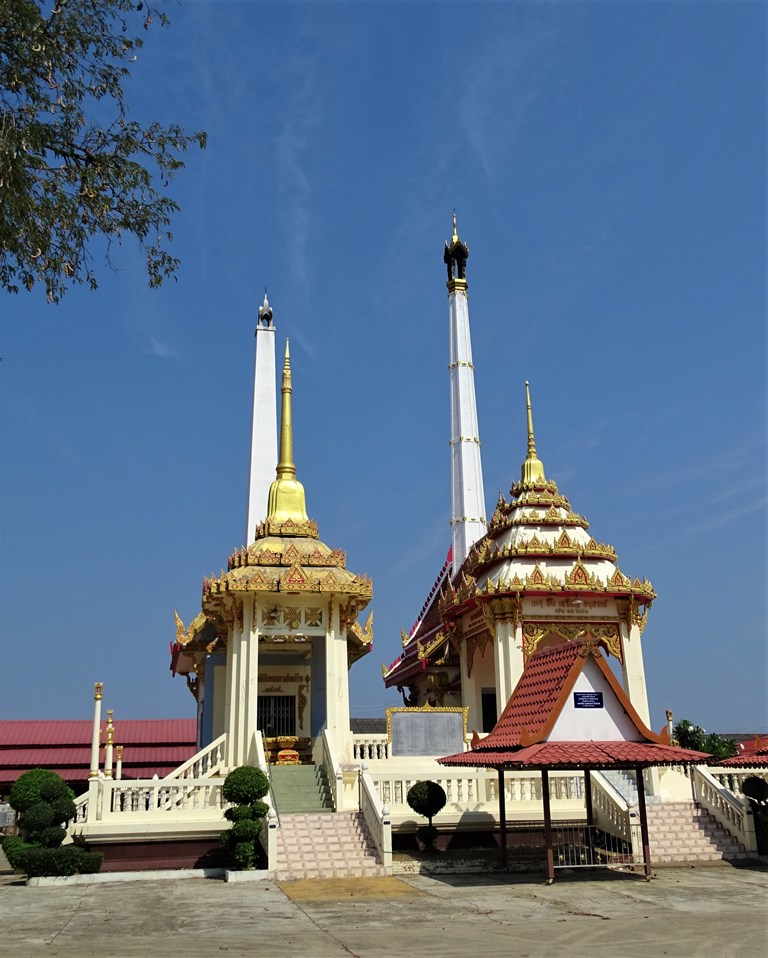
x: 607, y: 164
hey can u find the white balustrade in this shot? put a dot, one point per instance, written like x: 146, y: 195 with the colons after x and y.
x: 367, y: 748
x: 204, y: 764
x: 733, y: 813
x: 733, y: 778
x: 152, y: 800
x: 376, y: 817
x: 333, y: 770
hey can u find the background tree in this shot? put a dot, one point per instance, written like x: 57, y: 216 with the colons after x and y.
x: 695, y: 737
x: 73, y: 166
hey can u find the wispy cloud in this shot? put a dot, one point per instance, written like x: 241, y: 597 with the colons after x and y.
x: 160, y: 349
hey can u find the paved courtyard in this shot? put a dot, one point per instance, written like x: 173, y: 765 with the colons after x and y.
x: 684, y: 912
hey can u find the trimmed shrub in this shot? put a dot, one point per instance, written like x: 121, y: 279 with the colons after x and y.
x: 51, y: 837
x: 426, y: 798
x: 246, y: 831
x: 37, y: 785
x: 14, y: 847
x: 37, y: 817
x: 245, y: 785
x: 245, y: 855
x: 58, y: 862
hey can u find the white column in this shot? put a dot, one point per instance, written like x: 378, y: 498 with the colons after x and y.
x: 509, y: 664
x: 264, y: 423
x: 251, y: 677
x: 230, y: 715
x: 337, y: 688
x: 241, y: 667
x: 467, y: 492
x: 98, y: 691
x: 110, y: 740
x: 119, y: 762
x: 633, y: 670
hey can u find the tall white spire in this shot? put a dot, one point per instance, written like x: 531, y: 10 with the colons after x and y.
x: 264, y: 427
x: 467, y: 493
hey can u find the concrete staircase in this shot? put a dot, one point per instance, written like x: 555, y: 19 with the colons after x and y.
x: 623, y: 781
x: 325, y: 846
x: 300, y: 788
x: 682, y: 832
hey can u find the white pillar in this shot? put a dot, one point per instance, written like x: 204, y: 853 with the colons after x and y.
x: 509, y: 664
x: 337, y: 688
x: 119, y: 764
x: 251, y: 678
x: 633, y: 670
x: 230, y: 701
x: 98, y: 690
x: 241, y: 665
x: 109, y: 745
x: 468, y: 520
x: 264, y: 423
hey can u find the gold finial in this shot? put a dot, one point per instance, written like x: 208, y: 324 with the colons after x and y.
x: 110, y: 727
x: 455, y: 237
x: 286, y: 494
x: 533, y: 468
x: 98, y: 689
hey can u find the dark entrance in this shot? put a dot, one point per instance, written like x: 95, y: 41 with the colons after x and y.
x: 276, y: 715
x: 489, y: 709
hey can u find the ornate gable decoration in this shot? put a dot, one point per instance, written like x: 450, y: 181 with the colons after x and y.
x: 295, y: 580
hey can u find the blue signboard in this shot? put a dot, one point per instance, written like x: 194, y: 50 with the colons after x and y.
x: 587, y: 700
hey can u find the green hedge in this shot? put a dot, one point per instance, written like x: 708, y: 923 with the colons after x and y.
x: 56, y: 862
x: 245, y: 785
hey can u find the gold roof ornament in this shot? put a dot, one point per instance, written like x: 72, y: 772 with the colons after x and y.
x: 455, y: 258
x: 533, y: 469
x: 286, y: 494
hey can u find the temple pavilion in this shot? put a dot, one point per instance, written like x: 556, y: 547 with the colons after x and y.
x: 531, y: 578
x: 270, y: 651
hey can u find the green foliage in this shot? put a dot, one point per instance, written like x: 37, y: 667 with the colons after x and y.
x: 37, y: 817
x: 245, y: 855
x: 44, y: 803
x: 246, y: 831
x: 756, y: 788
x: 245, y: 785
x: 14, y: 847
x: 73, y: 165
x: 67, y: 860
x: 426, y: 798
x: 28, y: 788
x: 695, y: 737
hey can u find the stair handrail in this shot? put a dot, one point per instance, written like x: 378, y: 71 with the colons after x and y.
x: 214, y: 752
x: 261, y: 758
x: 611, y: 810
x: 376, y: 817
x: 731, y: 812
x: 335, y: 777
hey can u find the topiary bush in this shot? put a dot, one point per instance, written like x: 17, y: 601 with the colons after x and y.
x: 427, y: 799
x: 245, y: 787
x: 14, y: 847
x: 45, y: 804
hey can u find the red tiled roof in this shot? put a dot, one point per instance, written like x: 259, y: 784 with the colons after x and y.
x: 59, y: 732
x: 150, y: 747
x: 536, y: 694
x: 752, y: 754
x: 565, y: 755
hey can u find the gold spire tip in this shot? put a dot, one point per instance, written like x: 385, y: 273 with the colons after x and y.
x: 533, y: 468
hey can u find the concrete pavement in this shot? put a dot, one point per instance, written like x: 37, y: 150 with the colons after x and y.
x: 683, y: 913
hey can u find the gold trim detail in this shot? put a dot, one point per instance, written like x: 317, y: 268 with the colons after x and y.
x: 313, y: 617
x: 425, y: 708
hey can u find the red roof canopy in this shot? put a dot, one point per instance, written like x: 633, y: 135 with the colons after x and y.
x: 519, y: 738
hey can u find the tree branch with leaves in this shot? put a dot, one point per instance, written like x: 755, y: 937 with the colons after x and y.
x: 73, y: 165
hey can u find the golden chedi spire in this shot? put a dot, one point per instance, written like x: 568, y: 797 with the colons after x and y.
x: 286, y: 494
x: 455, y: 258
x: 533, y: 468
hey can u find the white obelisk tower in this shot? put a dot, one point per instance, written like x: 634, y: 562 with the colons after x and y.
x: 264, y: 428
x: 467, y: 496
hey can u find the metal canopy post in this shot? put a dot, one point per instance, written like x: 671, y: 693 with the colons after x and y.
x: 502, y: 818
x: 643, y: 822
x: 547, y: 826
